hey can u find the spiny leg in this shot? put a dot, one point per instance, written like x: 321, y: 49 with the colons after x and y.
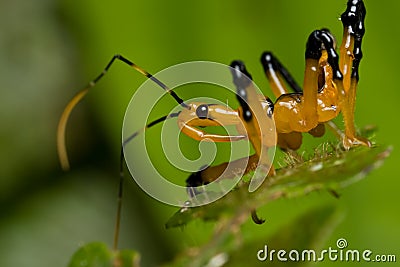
x: 351, y: 55
x: 62, y: 152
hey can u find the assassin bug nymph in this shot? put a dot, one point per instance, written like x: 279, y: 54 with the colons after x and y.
x: 329, y: 88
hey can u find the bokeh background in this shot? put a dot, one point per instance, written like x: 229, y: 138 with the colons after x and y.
x: 50, y: 49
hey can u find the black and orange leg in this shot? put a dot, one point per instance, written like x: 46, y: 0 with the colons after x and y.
x: 278, y: 77
x: 318, y: 41
x: 311, y: 76
x: 306, y: 119
x: 211, y: 173
x: 351, y: 55
x: 259, y: 126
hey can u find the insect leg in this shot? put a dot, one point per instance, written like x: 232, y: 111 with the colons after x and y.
x: 351, y: 55
x: 260, y: 128
x: 277, y: 74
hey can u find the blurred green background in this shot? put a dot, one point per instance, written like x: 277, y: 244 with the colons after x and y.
x: 50, y: 49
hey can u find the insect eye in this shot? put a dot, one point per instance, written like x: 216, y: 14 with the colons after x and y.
x: 202, y: 111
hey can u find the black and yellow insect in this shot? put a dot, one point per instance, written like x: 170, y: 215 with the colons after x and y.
x: 329, y: 88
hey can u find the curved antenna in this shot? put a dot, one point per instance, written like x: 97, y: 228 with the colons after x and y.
x: 61, y: 148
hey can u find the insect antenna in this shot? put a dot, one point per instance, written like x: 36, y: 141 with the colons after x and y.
x: 161, y: 119
x: 121, y: 172
x: 61, y: 148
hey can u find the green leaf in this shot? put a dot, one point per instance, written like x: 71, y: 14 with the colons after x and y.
x: 310, y: 231
x: 97, y: 254
x: 330, y: 169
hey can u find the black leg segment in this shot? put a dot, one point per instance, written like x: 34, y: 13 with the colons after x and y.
x: 241, y: 79
x: 319, y: 40
x: 272, y: 64
x: 354, y: 17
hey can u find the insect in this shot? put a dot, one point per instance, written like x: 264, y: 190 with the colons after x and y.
x: 329, y: 88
